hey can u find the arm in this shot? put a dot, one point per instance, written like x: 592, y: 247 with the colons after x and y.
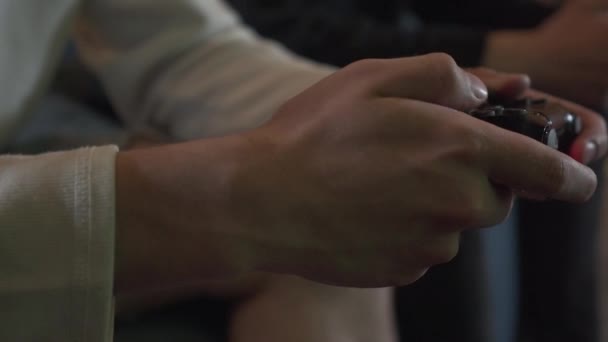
x: 223, y: 207
x: 287, y: 197
x: 187, y: 67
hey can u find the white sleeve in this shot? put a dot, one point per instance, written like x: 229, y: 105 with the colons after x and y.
x: 188, y: 67
x: 57, y: 246
x: 32, y: 36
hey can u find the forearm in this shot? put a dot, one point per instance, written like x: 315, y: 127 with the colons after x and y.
x: 173, y: 220
x: 191, y: 70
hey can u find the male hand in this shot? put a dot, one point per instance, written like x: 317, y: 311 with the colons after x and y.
x: 359, y: 182
x: 567, y: 55
x: 365, y: 179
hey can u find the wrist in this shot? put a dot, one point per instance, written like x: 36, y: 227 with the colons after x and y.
x: 174, y: 215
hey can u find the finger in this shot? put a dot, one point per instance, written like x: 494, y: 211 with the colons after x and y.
x: 438, y: 248
x: 521, y: 163
x: 500, y: 201
x: 486, y: 204
x: 504, y: 85
x: 592, y: 142
x: 478, y: 202
x: 433, y: 78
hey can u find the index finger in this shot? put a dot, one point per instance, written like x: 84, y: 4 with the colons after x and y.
x: 521, y: 163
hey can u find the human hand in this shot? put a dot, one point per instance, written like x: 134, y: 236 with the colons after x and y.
x: 567, y: 55
x: 366, y: 179
x: 362, y: 185
x: 591, y: 143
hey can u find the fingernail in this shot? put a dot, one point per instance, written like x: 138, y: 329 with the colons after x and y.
x: 479, y: 89
x: 589, y: 152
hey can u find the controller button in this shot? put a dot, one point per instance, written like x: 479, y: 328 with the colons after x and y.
x: 573, y: 123
x: 550, y: 139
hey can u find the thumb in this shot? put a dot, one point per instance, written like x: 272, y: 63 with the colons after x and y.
x: 433, y: 78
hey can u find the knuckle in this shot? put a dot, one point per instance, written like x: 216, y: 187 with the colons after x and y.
x: 364, y: 66
x: 447, y: 76
x: 442, y: 58
x: 445, y: 67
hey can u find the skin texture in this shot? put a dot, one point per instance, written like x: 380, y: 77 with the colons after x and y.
x: 354, y: 182
x: 566, y: 55
x: 319, y: 192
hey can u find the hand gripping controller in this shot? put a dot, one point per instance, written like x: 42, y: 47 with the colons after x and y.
x: 538, y: 119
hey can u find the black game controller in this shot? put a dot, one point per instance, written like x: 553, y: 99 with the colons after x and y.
x: 539, y: 119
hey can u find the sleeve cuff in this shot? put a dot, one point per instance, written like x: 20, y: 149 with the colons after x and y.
x: 57, y: 245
